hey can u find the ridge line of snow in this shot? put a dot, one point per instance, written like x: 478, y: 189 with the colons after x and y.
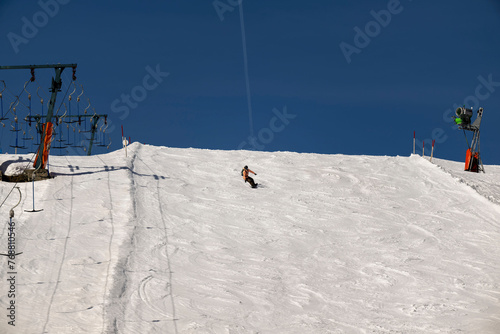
x: 469, y: 184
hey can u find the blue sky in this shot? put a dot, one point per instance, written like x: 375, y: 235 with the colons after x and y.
x: 175, y: 73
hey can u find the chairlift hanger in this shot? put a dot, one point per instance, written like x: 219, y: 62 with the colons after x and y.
x: 2, y: 117
x: 49, y: 115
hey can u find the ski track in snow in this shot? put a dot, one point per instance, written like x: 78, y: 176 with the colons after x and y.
x: 173, y: 241
x: 150, y: 269
x: 57, y: 196
x: 110, y: 249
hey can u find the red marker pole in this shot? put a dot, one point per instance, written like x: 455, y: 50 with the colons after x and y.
x: 423, y: 149
x: 124, y: 142
x: 432, y: 151
x: 413, y: 142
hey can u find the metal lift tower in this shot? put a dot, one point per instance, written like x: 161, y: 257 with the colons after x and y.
x: 55, y: 87
x: 473, y: 162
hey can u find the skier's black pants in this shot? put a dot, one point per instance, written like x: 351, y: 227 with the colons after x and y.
x: 250, y: 180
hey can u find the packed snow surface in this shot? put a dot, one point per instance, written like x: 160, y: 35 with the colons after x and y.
x: 172, y: 240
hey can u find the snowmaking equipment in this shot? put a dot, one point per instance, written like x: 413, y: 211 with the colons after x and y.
x: 463, y: 119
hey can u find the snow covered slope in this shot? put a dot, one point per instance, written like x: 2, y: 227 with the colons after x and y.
x: 172, y: 241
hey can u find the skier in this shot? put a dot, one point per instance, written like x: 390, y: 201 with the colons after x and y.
x: 244, y: 173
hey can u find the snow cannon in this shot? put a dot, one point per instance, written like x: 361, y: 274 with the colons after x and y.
x: 464, y: 115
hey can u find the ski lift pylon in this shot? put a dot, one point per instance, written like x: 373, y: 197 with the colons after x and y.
x: 473, y: 161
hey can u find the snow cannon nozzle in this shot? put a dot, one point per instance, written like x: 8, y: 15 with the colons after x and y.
x: 465, y: 114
